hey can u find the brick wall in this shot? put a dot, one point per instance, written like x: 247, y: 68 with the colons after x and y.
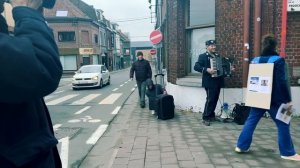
x: 176, y: 40
x: 229, y: 36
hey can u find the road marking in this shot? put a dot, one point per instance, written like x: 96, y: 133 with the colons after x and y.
x: 85, y: 99
x: 132, y: 89
x: 85, y: 119
x: 115, y: 89
x: 56, y: 126
x: 111, y: 98
x: 64, y: 152
x: 58, y: 92
x: 122, y: 85
x: 59, y: 100
x: 126, y: 82
x: 48, y: 97
x: 116, y: 110
x: 97, y: 134
x: 83, y: 110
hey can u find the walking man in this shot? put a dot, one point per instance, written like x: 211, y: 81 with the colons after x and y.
x: 142, y: 70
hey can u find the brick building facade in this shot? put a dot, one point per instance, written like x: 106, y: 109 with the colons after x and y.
x: 186, y: 24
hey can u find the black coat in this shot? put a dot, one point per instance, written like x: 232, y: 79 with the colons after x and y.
x: 142, y: 70
x: 207, y: 80
x: 29, y: 70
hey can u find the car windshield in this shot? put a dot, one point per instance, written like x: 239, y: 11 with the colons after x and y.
x: 89, y: 69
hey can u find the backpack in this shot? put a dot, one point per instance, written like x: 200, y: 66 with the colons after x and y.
x: 240, y: 113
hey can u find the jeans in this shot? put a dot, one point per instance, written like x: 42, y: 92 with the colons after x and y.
x: 285, y: 143
x: 142, y: 91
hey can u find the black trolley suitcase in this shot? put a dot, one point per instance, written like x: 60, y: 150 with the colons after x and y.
x: 164, y: 104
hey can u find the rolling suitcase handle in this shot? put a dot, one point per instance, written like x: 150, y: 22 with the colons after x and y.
x: 155, y: 76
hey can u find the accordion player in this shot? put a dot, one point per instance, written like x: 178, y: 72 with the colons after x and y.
x: 222, y: 65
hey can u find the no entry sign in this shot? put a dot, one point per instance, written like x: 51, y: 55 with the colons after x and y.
x: 153, y: 51
x: 156, y: 37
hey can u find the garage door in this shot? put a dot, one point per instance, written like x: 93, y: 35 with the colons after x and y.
x: 68, y: 62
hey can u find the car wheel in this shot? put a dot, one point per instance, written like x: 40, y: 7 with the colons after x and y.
x: 108, y: 81
x: 101, y: 84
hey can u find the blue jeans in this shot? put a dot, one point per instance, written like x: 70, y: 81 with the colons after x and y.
x: 142, y: 91
x: 285, y: 142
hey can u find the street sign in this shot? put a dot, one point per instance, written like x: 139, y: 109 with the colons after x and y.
x: 156, y: 37
x: 153, y: 51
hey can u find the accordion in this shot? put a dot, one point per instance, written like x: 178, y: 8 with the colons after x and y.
x: 221, y: 65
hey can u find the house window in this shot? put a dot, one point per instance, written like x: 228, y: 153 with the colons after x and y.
x: 66, y: 36
x: 85, y: 37
x: 200, y: 27
x: 96, y: 40
x: 201, y: 12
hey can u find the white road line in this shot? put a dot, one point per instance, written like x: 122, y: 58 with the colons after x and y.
x: 111, y: 98
x: 59, y: 100
x: 48, y: 97
x: 82, y: 110
x: 122, y: 85
x: 132, y: 89
x: 85, y: 99
x: 58, y: 92
x: 97, y: 134
x: 115, y: 89
x: 56, y: 126
x: 116, y: 110
x: 64, y: 152
x: 126, y: 82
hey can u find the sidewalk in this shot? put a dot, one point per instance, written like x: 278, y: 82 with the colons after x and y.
x: 136, y: 139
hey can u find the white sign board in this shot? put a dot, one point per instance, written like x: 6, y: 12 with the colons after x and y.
x: 293, y: 5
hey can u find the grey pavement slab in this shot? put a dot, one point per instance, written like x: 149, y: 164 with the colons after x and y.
x: 183, y: 142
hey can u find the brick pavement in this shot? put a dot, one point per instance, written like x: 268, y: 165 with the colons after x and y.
x: 183, y: 142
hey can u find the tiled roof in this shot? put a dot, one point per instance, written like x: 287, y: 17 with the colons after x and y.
x: 89, y: 10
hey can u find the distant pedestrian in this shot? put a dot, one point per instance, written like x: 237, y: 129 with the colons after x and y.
x: 30, y: 69
x: 153, y: 90
x: 280, y: 94
x: 142, y: 70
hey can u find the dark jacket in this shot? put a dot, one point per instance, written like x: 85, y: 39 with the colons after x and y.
x: 207, y: 80
x: 30, y: 69
x: 142, y: 70
x: 280, y: 86
x: 152, y: 93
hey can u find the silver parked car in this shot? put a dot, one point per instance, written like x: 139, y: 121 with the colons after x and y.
x: 91, y: 76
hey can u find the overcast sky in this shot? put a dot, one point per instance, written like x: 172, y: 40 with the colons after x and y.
x: 122, y: 11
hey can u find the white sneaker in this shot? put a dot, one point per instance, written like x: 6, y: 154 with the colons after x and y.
x: 152, y: 112
x: 238, y: 150
x: 295, y: 157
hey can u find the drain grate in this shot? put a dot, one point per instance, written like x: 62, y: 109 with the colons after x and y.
x: 66, y: 131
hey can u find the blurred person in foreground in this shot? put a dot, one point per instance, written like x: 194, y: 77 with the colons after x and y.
x: 30, y: 69
x: 280, y: 95
x: 142, y: 70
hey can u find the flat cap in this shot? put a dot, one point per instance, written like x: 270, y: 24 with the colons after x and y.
x: 210, y: 42
x: 48, y: 3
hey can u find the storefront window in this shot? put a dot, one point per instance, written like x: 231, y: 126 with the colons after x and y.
x: 201, y: 12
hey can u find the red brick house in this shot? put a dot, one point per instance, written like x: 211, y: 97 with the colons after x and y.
x: 238, y: 27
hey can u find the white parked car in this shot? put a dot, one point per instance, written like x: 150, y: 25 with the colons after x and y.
x: 91, y: 76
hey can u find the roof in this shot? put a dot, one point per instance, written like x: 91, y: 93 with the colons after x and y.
x: 89, y: 10
x: 141, y: 44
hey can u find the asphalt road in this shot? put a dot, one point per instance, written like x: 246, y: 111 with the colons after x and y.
x: 80, y: 117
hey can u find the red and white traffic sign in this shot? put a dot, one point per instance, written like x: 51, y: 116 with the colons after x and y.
x: 153, y: 51
x: 156, y: 37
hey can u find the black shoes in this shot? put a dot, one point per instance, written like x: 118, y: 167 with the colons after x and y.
x: 206, y: 122
x: 142, y: 104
